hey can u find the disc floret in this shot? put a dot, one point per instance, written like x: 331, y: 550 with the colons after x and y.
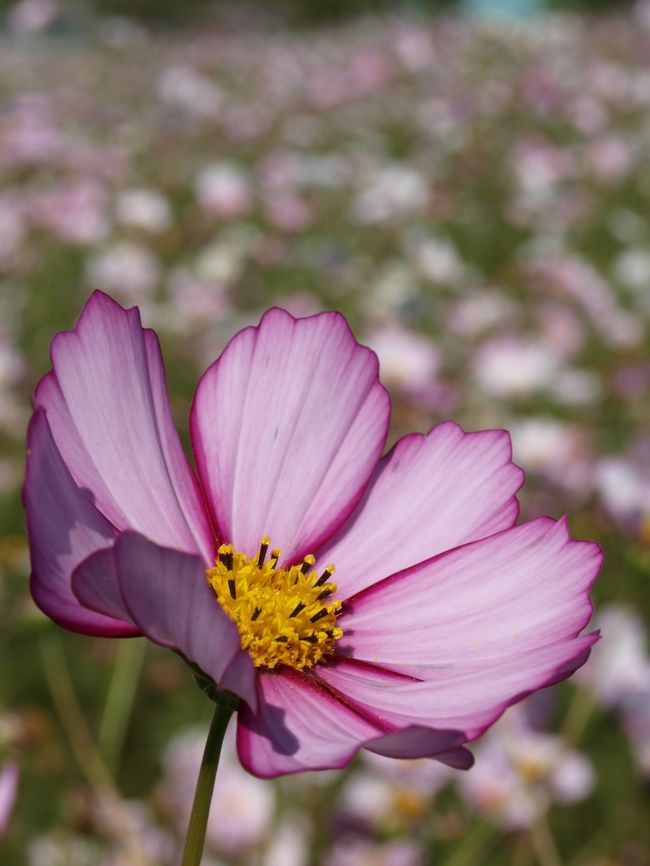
x: 285, y: 616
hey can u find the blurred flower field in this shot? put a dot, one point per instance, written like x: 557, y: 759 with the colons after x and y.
x: 476, y: 200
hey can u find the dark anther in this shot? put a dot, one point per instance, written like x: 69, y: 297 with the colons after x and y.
x: 256, y: 613
x: 226, y: 558
x: 282, y: 638
x: 310, y: 638
x: 324, y: 594
x: 232, y: 588
x: 325, y: 576
x: 321, y: 613
x: 300, y: 606
x: 307, y: 563
x: 262, y: 555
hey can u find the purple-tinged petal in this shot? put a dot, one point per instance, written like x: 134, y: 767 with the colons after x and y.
x: 497, y: 598
x: 287, y: 426
x: 304, y: 725
x: 458, y: 759
x: 299, y: 726
x: 415, y: 741
x: 8, y: 790
x: 167, y: 594
x: 107, y: 406
x: 64, y: 527
x: 468, y: 697
x: 429, y: 494
x: 96, y: 584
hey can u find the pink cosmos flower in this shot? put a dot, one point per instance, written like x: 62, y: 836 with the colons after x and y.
x: 443, y: 612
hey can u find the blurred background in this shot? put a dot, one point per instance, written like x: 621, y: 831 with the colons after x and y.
x: 469, y: 182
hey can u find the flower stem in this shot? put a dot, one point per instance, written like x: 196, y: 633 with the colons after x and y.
x: 72, y: 718
x: 580, y: 709
x: 543, y: 843
x: 120, y: 699
x: 474, y: 847
x: 195, y: 838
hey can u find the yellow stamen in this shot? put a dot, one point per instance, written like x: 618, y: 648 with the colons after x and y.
x: 281, y: 613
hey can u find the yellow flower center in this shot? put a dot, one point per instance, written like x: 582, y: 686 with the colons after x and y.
x: 281, y: 613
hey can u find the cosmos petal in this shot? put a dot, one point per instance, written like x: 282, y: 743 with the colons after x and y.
x: 415, y: 741
x: 299, y: 726
x: 287, y: 426
x: 467, y: 697
x: 167, y: 595
x: 107, y: 406
x: 96, y: 584
x: 429, y: 494
x: 458, y: 759
x: 302, y: 725
x: 498, y: 598
x: 64, y: 527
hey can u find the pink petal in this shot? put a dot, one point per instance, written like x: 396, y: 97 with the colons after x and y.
x: 287, y: 426
x: 107, y: 405
x: 302, y: 725
x: 167, y: 594
x: 415, y: 742
x: 467, y: 697
x: 458, y: 759
x: 64, y: 527
x: 96, y: 584
x: 497, y: 598
x: 429, y: 494
x: 299, y: 726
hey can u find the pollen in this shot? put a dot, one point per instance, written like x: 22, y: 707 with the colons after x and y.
x: 285, y: 616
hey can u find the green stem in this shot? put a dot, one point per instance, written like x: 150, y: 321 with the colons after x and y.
x: 119, y: 702
x: 580, y: 709
x: 72, y: 718
x: 474, y: 846
x: 195, y: 838
x: 544, y: 843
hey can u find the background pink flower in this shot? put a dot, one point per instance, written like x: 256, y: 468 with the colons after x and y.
x: 9, y: 775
